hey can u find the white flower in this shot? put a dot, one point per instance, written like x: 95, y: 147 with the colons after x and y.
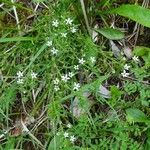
x: 19, y: 74
x: 54, y: 51
x: 124, y: 58
x: 56, y: 81
x: 76, y: 67
x: 49, y: 43
x: 66, y: 134
x: 24, y: 92
x: 65, y: 78
x: 93, y: 60
x: 58, y: 133
x: 81, y: 61
x: 72, y: 139
x: 68, y: 21
x: 76, y: 86
x: 70, y: 74
x: 126, y: 67
x: 73, y: 30
x: 135, y: 58
x: 69, y: 125
x: 64, y: 35
x: 20, y: 81
x: 56, y: 88
x: 33, y: 75
x: 55, y: 23
x: 124, y: 73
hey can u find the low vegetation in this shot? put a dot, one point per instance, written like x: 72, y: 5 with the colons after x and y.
x: 74, y: 75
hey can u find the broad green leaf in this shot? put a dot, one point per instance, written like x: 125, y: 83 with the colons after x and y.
x: 135, y: 115
x: 141, y: 50
x: 135, y: 13
x: 94, y: 86
x: 56, y: 143
x: 15, y: 39
x: 110, y: 33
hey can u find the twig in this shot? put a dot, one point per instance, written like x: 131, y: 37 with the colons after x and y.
x: 31, y: 135
x: 1, y: 5
x: 45, y: 5
x: 36, y: 7
x: 133, y: 79
x: 85, y: 16
x: 16, y: 17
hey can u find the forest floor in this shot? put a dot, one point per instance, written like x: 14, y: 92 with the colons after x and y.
x: 74, y: 75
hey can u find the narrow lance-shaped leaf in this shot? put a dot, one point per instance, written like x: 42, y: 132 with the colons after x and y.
x: 15, y: 39
x: 135, y: 115
x: 110, y: 33
x: 135, y: 13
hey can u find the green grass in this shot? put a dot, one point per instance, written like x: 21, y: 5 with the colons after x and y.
x: 39, y: 97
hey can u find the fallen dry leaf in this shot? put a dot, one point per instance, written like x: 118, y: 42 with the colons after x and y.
x: 76, y: 109
x: 95, y: 34
x: 128, y: 52
x: 104, y: 92
x: 116, y: 51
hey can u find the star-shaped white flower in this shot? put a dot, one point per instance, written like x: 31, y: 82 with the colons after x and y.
x: 64, y: 35
x: 68, y: 21
x: 73, y: 30
x: 76, y: 86
x: 33, y: 75
x: 81, y: 61
x: 19, y: 74
x: 93, y: 60
x: 70, y: 74
x: 56, y: 88
x: 76, y: 67
x: 56, y: 81
x: 66, y: 134
x: 72, y: 139
x: 54, y: 51
x: 65, y: 78
x: 126, y: 67
x: 20, y: 81
x: 69, y: 125
x: 125, y: 74
x: 55, y: 23
x: 124, y: 58
x: 49, y: 43
x: 135, y: 58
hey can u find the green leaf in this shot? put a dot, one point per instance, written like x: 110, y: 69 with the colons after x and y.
x: 90, y: 49
x: 135, y: 13
x: 8, y: 98
x: 135, y: 115
x: 112, y: 34
x: 141, y: 50
x: 15, y: 39
x: 94, y: 86
x: 56, y: 143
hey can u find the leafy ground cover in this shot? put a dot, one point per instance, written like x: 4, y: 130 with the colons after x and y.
x: 74, y: 75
